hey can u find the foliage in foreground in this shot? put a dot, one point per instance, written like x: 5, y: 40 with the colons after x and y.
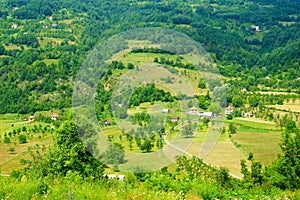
x: 69, y: 171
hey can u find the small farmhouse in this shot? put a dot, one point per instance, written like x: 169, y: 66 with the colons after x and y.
x: 174, y: 119
x: 206, y: 114
x: 14, y: 26
x: 115, y: 176
x: 229, y: 110
x: 248, y: 114
x: 54, y: 116
x: 107, y: 122
x: 256, y: 28
x: 193, y: 111
x: 243, y: 90
x: 166, y: 110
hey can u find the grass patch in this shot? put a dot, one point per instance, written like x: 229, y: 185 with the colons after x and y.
x: 264, y: 145
x: 293, y: 106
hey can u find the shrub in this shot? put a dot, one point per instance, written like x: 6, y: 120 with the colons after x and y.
x: 22, y: 139
x: 6, y: 140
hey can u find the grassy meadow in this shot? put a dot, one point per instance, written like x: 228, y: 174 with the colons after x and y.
x: 38, y: 137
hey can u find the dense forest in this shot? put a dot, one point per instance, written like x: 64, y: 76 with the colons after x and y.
x: 49, y: 40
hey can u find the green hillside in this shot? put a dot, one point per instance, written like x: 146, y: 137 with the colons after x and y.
x: 80, y: 104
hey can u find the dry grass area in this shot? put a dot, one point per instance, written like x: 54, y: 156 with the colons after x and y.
x: 293, y: 106
x: 276, y: 93
x: 10, y: 160
x: 225, y: 154
x: 9, y: 125
x: 264, y: 145
x: 255, y: 120
x: 55, y: 41
x: 15, y: 47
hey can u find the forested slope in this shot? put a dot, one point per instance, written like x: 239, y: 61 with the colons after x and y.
x: 43, y: 43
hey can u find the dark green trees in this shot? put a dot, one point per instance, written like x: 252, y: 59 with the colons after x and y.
x: 68, y: 154
x: 2, y: 50
x: 149, y: 93
x: 115, y: 154
x: 22, y: 139
x: 286, y: 174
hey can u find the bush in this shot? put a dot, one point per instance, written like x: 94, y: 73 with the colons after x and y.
x: 22, y: 139
x: 229, y: 117
x: 6, y: 140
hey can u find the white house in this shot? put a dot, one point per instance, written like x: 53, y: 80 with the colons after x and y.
x: 229, y: 110
x: 14, y: 26
x: 54, y: 116
x: 248, y: 114
x: 174, y: 118
x: 113, y: 176
x: 206, y: 114
x: 166, y: 110
x: 256, y: 28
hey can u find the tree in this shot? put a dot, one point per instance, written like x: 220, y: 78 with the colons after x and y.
x: 187, y: 130
x: 253, y: 101
x: 223, y: 130
x: 68, y: 154
x: 115, y: 154
x: 130, y: 66
x: 290, y: 127
x: 146, y: 146
x: 286, y: 168
x: 232, y: 128
x: 2, y: 50
x: 11, y: 150
x: 237, y: 101
x: 22, y: 139
x: 202, y: 84
x: 6, y: 140
x: 203, y: 102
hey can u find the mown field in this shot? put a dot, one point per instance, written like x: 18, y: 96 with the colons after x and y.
x: 262, y: 138
x: 38, y: 137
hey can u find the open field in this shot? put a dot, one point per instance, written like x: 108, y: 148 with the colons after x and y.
x: 15, y: 47
x: 12, y: 153
x: 255, y: 123
x: 9, y: 125
x: 293, y: 106
x: 264, y: 145
x: 260, y: 137
x: 276, y: 92
x: 47, y: 40
x: 225, y: 154
x: 117, y: 136
x: 155, y: 73
x: 38, y: 136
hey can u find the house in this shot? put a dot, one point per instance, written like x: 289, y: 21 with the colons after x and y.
x: 54, y: 116
x: 256, y: 28
x: 107, y: 122
x: 174, y: 119
x: 193, y: 111
x: 30, y: 118
x: 14, y: 26
x: 113, y: 176
x: 243, y: 90
x: 206, y: 114
x: 229, y: 110
x: 248, y: 114
x: 166, y: 110
x: 54, y: 25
